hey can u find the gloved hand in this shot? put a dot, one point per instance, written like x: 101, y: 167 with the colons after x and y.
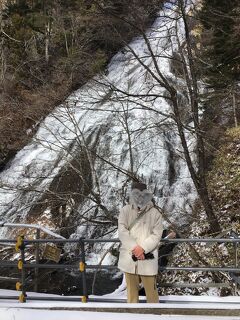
x: 147, y: 256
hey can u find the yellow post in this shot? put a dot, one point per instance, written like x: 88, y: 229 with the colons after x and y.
x: 82, y: 266
x: 18, y: 286
x: 20, y: 264
x: 22, y: 298
x: 19, y: 243
x: 21, y: 285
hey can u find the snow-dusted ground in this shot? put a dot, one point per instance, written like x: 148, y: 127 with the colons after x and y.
x: 14, y: 310
x: 19, y: 314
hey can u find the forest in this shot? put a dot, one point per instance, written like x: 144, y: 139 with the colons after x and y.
x: 96, y: 94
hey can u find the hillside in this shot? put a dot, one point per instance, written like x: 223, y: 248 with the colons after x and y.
x: 224, y: 180
x: 224, y: 186
x: 50, y: 48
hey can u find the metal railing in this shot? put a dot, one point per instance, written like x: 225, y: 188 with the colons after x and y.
x: 37, y: 229
x: 21, y: 245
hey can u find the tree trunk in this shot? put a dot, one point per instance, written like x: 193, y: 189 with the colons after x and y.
x: 234, y: 109
x: 200, y: 175
x: 198, y: 178
x: 206, y: 202
x: 47, y: 41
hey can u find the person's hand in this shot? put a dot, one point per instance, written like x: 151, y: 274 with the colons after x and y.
x: 141, y: 257
x: 138, y: 252
x: 172, y: 235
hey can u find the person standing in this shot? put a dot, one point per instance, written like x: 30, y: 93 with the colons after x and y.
x: 140, y: 230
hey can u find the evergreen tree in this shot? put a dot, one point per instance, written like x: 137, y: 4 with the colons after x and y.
x: 222, y: 57
x: 223, y: 49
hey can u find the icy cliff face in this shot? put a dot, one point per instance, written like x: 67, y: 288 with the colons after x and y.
x: 121, y: 117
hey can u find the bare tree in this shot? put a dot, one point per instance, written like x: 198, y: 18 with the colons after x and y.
x: 177, y: 15
x: 161, y: 86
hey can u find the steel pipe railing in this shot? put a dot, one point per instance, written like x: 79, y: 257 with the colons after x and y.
x: 24, y: 244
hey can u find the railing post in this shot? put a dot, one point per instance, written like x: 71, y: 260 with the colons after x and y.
x: 82, y: 268
x: 21, y: 285
x: 37, y: 258
x: 236, y: 254
x: 23, y: 296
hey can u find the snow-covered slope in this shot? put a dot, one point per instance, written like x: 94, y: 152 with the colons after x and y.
x: 99, y: 116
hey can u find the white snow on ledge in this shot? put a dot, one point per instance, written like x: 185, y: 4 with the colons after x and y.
x: 37, y: 310
x: 20, y: 314
x: 172, y: 301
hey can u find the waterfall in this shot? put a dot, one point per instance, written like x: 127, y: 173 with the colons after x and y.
x: 124, y: 103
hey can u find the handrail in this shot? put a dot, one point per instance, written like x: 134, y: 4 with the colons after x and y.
x: 31, y: 226
x: 64, y: 240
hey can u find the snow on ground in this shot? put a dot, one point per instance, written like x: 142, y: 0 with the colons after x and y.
x: 18, y: 314
x: 37, y: 310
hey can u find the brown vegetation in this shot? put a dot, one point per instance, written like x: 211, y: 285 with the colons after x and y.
x: 50, y: 48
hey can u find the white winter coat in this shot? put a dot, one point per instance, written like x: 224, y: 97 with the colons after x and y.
x: 146, y: 233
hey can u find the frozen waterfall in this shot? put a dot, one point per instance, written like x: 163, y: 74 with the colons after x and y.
x: 122, y: 123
